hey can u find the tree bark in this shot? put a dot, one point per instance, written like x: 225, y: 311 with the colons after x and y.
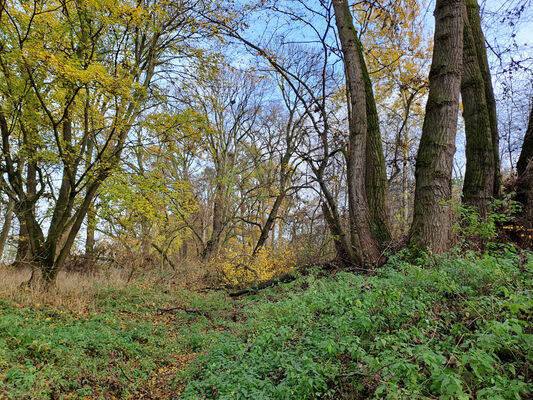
x: 24, y: 252
x: 362, y: 238
x: 375, y: 171
x: 524, y: 167
x: 472, y: 10
x: 431, y: 228
x: 478, y: 186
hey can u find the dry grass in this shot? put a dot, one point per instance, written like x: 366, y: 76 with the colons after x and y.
x: 74, y: 290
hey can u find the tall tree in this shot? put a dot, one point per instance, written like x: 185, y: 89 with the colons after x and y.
x: 431, y: 228
x: 478, y: 38
x: 478, y: 186
x: 524, y: 167
x: 362, y: 238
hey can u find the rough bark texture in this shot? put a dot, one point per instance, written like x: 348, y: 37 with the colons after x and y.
x: 478, y: 186
x: 375, y: 171
x: 431, y: 228
x: 524, y: 168
x: 362, y: 237
x: 474, y: 19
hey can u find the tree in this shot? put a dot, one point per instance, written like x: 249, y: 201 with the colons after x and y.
x: 362, y: 238
x: 62, y: 61
x: 431, y: 228
x: 481, y: 158
x: 524, y: 169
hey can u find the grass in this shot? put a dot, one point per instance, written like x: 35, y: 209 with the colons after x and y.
x: 99, y: 338
x: 448, y: 328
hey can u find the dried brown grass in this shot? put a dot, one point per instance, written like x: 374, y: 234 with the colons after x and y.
x: 76, y: 291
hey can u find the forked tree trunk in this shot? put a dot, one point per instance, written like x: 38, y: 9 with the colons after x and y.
x: 431, y: 228
x: 363, y: 241
x: 472, y: 10
x: 478, y: 186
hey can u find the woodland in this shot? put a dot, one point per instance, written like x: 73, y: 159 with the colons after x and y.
x: 266, y: 199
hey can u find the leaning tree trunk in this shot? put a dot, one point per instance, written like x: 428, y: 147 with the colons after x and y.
x: 472, y: 10
x: 362, y: 238
x: 478, y: 186
x: 375, y: 171
x: 524, y: 167
x: 431, y: 228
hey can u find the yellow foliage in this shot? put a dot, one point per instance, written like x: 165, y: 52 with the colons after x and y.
x: 237, y: 266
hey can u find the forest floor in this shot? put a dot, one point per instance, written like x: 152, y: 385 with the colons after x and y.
x: 457, y: 327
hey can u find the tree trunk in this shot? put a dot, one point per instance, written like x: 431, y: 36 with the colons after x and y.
x: 8, y: 217
x: 472, y: 10
x: 24, y: 253
x: 375, y: 171
x: 91, y: 229
x: 478, y: 186
x: 524, y: 167
x: 212, y: 245
x: 362, y: 238
x: 431, y: 228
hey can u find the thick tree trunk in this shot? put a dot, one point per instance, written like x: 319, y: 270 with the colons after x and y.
x: 8, y: 217
x: 472, y: 10
x: 362, y: 238
x: 524, y: 167
x: 24, y: 252
x: 431, y: 228
x: 478, y: 186
x: 375, y: 171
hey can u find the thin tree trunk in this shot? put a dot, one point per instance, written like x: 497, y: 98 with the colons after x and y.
x: 91, y: 229
x: 8, y: 217
x: 362, y: 238
x: 472, y: 10
x: 478, y: 185
x: 212, y: 245
x: 431, y: 228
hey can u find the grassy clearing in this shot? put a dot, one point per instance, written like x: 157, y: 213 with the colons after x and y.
x: 450, y: 328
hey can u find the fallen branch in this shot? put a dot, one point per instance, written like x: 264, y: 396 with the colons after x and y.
x: 284, y: 278
x: 184, y: 309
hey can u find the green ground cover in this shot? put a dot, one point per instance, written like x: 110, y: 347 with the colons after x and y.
x: 449, y: 328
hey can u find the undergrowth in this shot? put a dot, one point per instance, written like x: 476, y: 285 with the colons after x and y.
x: 447, y: 328
x: 454, y: 327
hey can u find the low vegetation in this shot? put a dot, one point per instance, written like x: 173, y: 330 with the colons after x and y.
x: 455, y: 327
